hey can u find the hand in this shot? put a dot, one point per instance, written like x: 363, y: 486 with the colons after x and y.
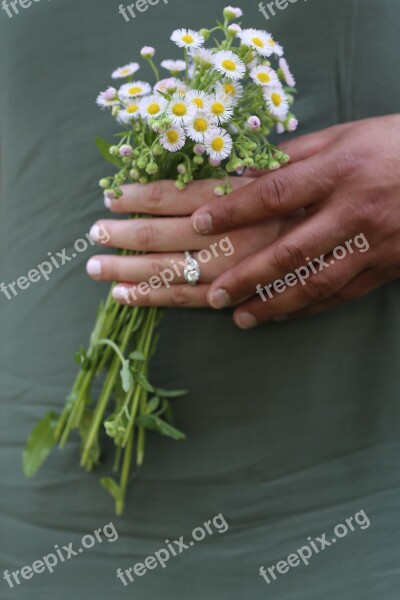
x: 165, y: 240
x: 347, y: 178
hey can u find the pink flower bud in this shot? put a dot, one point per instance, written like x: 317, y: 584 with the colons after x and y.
x: 199, y: 149
x: 254, y: 122
x: 125, y: 150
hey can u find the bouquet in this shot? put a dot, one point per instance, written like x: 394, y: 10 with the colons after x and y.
x: 210, y: 118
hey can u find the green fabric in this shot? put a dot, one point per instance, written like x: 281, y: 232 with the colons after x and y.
x: 292, y: 427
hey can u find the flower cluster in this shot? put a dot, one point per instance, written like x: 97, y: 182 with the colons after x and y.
x: 211, y: 116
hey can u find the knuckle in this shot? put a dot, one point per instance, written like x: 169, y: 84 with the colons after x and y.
x: 288, y: 256
x: 180, y: 295
x: 154, y: 194
x: 317, y: 288
x: 145, y: 235
x: 156, y: 266
x: 274, y: 191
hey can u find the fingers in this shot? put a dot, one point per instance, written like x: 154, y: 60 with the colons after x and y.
x: 305, y: 146
x: 363, y: 284
x: 167, y: 267
x: 280, y: 302
x: 292, y: 252
x: 153, y: 235
x: 163, y: 198
x: 176, y: 296
x: 278, y: 193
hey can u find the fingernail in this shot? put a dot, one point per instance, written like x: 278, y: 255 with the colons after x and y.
x: 246, y: 320
x: 93, y: 267
x: 219, y: 299
x: 202, y: 223
x: 281, y: 319
x: 120, y: 293
x: 107, y: 202
x: 95, y: 233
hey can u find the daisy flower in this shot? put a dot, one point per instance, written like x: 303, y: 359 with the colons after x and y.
x: 218, y: 143
x: 170, y: 86
x: 197, y: 127
x: 125, y: 71
x: 148, y: 52
x: 232, y: 13
x: 180, y: 110
x: 228, y: 63
x: 275, y: 48
x: 203, y: 56
x: 277, y: 102
x: 130, y: 111
x: 187, y: 38
x: 136, y: 88
x: 152, y: 106
x: 175, y: 66
x: 107, y: 98
x: 198, y: 97
x: 265, y: 76
x: 257, y: 39
x: 173, y: 138
x: 219, y: 107
x: 284, y: 67
x: 233, y: 89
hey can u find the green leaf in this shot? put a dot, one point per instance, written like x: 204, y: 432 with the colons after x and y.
x: 104, y: 148
x: 153, y: 405
x: 112, y: 488
x: 137, y: 355
x: 142, y: 381
x: 39, y: 444
x: 126, y: 376
x: 156, y: 424
x: 171, y: 393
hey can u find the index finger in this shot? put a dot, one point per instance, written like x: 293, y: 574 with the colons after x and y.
x: 277, y: 193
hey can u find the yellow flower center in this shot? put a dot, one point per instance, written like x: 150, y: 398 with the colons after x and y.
x: 200, y: 125
x: 133, y: 108
x: 258, y: 42
x: 229, y: 65
x: 153, y: 109
x: 188, y: 39
x: 264, y: 77
x: 198, y: 102
x: 218, y: 108
x: 179, y: 109
x: 125, y: 72
x: 135, y: 90
x: 276, y: 99
x: 271, y: 42
x: 229, y: 89
x: 172, y: 136
x: 217, y: 144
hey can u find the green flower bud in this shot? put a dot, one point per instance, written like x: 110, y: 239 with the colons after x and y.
x: 273, y: 165
x: 152, y: 168
x: 104, y: 183
x: 115, y: 110
x: 114, y: 150
x: 248, y: 162
x: 198, y: 160
x: 180, y: 185
x: 158, y: 150
x: 205, y: 33
x: 143, y: 179
x: 127, y: 160
x: 134, y: 174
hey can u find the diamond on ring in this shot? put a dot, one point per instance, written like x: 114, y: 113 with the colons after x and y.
x: 192, y: 272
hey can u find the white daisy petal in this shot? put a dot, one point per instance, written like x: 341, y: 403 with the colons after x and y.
x: 108, y: 98
x: 199, y: 126
x: 136, y: 88
x: 228, y: 63
x: 180, y: 110
x: 173, y: 138
x: 125, y: 71
x: 265, y: 76
x: 257, y: 39
x: 284, y: 67
x: 277, y: 102
x: 203, y: 56
x: 175, y: 66
x: 187, y: 38
x: 130, y: 111
x: 198, y: 98
x: 218, y: 143
x: 232, y: 89
x: 219, y: 107
x: 152, y: 106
